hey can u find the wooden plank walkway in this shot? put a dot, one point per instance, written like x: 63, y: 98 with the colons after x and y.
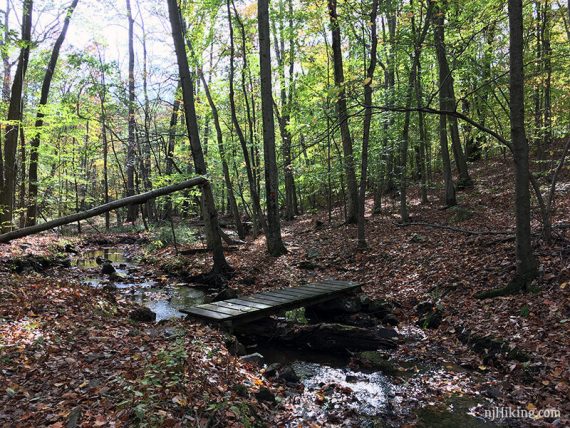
x: 256, y: 306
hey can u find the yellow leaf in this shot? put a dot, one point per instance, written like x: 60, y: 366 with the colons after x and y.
x: 181, y: 401
x: 367, y: 81
x: 530, y: 406
x: 563, y: 285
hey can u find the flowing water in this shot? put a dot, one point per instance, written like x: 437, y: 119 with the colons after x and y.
x: 328, y: 394
x: 165, y: 300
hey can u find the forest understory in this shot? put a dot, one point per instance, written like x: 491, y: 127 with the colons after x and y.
x: 71, y: 356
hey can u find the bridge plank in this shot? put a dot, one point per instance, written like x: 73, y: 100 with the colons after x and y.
x: 249, y: 308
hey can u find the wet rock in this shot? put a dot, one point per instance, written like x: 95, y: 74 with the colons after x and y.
x: 265, y: 394
x: 225, y: 294
x: 379, y: 308
x: 34, y: 263
x: 358, y: 320
x: 424, y: 307
x: 351, y: 378
x: 374, y: 360
x: 346, y: 305
x: 110, y: 287
x: 288, y: 374
x: 142, y: 314
x: 255, y: 358
x: 108, y: 269
x: 272, y: 370
x: 431, y: 320
x: 234, y: 346
x: 390, y: 319
x: 490, y: 347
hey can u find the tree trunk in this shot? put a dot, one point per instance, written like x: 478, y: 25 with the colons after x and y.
x: 273, y: 236
x: 257, y: 217
x: 526, y: 262
x: 32, y: 209
x: 404, y: 215
x: 366, y: 127
x: 209, y: 208
x: 132, y: 211
x: 447, y: 97
x: 8, y: 164
x: 226, y: 171
x: 342, y: 116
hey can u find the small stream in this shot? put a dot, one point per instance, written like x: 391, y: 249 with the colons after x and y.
x: 328, y: 392
x: 331, y: 394
x: 164, y: 300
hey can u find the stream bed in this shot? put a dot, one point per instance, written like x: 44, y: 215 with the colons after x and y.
x: 327, y: 392
x: 165, y: 299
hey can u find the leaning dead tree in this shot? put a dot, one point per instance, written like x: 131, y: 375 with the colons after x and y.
x: 101, y: 209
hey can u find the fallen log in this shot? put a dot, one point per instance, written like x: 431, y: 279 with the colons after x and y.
x: 101, y: 209
x: 331, y: 337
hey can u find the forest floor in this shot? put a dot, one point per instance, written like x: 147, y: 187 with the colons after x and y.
x: 70, y: 355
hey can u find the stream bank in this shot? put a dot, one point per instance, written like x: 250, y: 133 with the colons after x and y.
x: 326, y: 387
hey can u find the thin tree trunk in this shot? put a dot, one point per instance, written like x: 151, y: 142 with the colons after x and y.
x: 132, y: 211
x: 342, y: 116
x: 225, y: 169
x: 273, y: 236
x: 257, y: 217
x: 526, y: 262
x: 404, y: 214
x: 447, y: 95
x: 366, y: 128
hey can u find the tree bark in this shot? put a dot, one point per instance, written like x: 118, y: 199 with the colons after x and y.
x: 447, y: 97
x: 8, y: 165
x: 225, y: 169
x: 32, y: 208
x: 273, y: 236
x: 132, y: 211
x: 526, y: 262
x: 257, y: 217
x: 209, y: 208
x: 367, y: 122
x: 342, y: 116
x: 404, y: 214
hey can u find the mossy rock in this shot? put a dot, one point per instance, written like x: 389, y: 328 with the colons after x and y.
x: 453, y: 413
x: 374, y: 360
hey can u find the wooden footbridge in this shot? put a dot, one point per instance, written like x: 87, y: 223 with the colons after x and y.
x: 245, y: 309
